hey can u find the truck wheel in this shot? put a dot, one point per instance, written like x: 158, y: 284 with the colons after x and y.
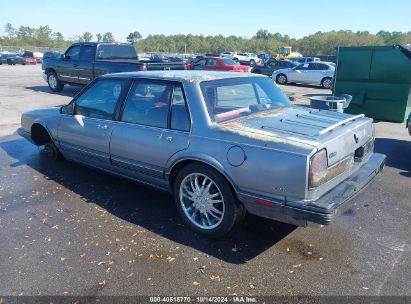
x: 206, y: 201
x: 326, y: 83
x: 54, y: 83
x: 281, y: 79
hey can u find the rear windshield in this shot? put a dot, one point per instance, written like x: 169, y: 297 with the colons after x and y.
x: 232, y: 98
x: 116, y: 51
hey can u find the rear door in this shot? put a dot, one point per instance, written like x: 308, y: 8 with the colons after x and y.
x: 84, y: 136
x: 316, y: 72
x: 154, y: 125
x: 67, y: 68
x: 85, y: 64
x: 211, y: 65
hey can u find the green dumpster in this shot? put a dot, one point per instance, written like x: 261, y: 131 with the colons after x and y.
x: 378, y: 78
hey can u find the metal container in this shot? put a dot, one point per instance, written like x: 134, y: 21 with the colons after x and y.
x: 332, y: 103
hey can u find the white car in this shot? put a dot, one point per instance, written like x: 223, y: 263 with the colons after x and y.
x: 243, y: 58
x: 317, y: 72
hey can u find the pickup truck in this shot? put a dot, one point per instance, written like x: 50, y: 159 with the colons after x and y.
x: 82, y: 62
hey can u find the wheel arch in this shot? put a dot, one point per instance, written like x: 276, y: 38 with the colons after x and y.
x: 40, y: 134
x: 178, y: 164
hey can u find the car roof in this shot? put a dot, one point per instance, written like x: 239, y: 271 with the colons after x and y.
x: 182, y: 75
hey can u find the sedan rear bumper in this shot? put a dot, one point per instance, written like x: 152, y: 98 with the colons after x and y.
x: 302, y: 213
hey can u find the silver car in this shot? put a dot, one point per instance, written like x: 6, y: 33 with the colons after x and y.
x: 222, y: 143
x: 317, y: 72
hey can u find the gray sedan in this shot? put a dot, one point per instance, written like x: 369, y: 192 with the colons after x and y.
x: 221, y: 143
x: 316, y: 72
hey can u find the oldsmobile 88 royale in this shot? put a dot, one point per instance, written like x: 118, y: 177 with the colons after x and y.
x: 222, y: 143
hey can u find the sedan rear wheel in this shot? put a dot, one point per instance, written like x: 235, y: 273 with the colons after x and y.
x: 205, y: 201
x: 326, y: 83
x: 281, y: 79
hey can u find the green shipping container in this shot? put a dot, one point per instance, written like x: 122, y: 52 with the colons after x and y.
x: 378, y: 78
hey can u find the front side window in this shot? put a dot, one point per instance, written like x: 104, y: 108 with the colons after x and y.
x: 73, y: 53
x: 236, y: 97
x: 200, y: 64
x: 148, y: 103
x: 211, y: 62
x: 100, y: 100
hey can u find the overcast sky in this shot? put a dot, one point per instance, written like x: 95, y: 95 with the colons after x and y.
x: 295, y: 18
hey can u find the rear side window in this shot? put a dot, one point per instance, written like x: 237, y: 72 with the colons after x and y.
x: 180, y: 119
x: 87, y: 53
x: 100, y: 100
x: 116, y: 51
x: 148, y: 103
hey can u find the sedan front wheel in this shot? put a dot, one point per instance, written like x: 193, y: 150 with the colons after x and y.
x: 206, y: 201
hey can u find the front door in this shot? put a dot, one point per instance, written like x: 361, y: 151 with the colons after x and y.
x: 67, y: 68
x: 299, y: 74
x: 153, y: 126
x: 85, y: 135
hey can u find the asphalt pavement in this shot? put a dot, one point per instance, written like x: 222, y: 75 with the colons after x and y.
x: 69, y: 230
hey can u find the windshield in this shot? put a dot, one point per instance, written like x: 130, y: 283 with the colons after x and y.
x: 236, y: 97
x: 116, y: 51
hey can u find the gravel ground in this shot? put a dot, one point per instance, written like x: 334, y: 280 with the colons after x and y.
x: 69, y: 230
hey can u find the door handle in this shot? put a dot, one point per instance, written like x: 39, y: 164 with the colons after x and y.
x: 169, y: 138
x: 102, y: 126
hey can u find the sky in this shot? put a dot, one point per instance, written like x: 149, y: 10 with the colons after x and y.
x: 243, y: 18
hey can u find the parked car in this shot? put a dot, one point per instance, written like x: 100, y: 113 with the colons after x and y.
x: 318, y: 72
x: 12, y: 59
x: 268, y: 68
x: 219, y: 64
x: 37, y: 56
x: 82, y: 62
x: 52, y: 54
x: 29, y: 60
x: 243, y: 58
x: 222, y: 143
x: 408, y: 123
x: 304, y: 59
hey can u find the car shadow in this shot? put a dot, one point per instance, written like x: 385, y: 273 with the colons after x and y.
x: 148, y: 208
x: 69, y: 91
x: 397, y: 151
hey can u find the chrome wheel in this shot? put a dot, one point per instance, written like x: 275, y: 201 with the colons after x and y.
x: 326, y: 83
x: 53, y: 81
x: 201, y: 201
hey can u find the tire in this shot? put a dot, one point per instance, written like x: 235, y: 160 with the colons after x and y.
x: 326, y: 83
x: 235, y: 59
x: 252, y: 62
x: 54, y: 83
x: 55, y: 153
x: 281, y: 79
x: 227, y: 211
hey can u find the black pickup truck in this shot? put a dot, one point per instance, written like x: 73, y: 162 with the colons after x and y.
x: 82, y: 62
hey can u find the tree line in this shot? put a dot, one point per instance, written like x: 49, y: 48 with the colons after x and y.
x: 320, y: 43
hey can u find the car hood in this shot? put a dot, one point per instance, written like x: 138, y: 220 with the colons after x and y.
x: 296, y: 126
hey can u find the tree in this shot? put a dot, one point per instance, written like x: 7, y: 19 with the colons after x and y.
x: 99, y: 37
x: 134, y: 37
x: 108, y: 37
x: 10, y: 30
x: 87, y: 36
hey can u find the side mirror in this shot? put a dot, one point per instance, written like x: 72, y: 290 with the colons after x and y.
x: 67, y: 109
x: 66, y: 57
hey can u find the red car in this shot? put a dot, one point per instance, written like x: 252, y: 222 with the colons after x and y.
x: 218, y: 64
x: 29, y: 60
